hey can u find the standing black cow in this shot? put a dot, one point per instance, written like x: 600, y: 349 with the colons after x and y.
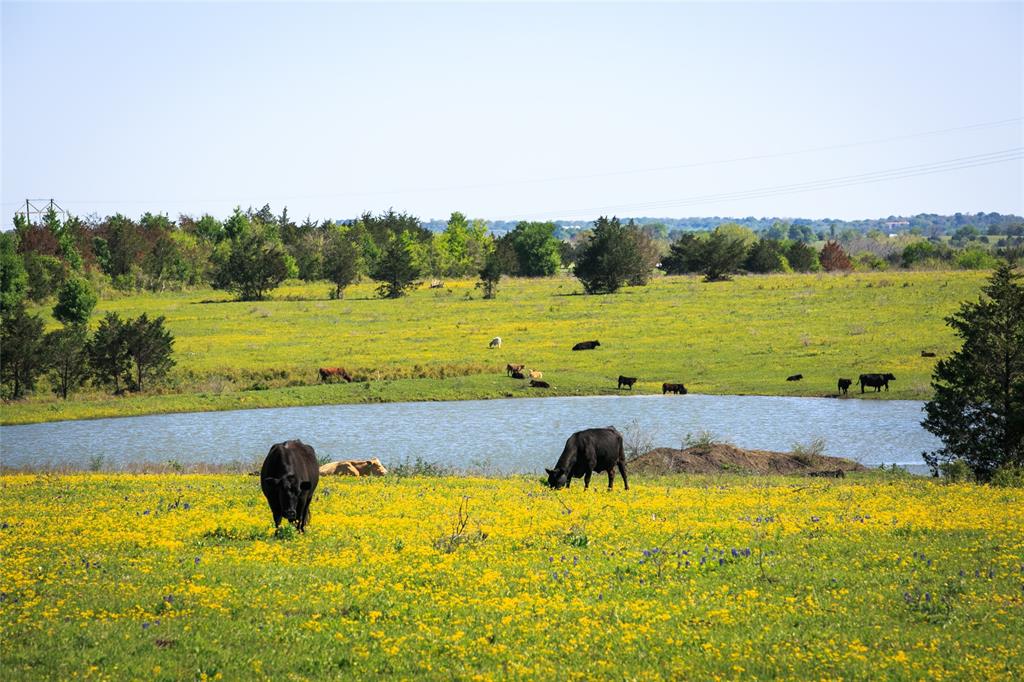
x: 627, y: 382
x: 586, y: 345
x: 288, y: 478
x: 877, y: 381
x: 844, y: 385
x: 586, y: 452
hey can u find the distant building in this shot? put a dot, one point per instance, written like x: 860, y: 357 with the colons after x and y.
x: 896, y: 224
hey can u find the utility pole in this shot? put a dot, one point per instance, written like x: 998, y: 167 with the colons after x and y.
x: 36, y: 207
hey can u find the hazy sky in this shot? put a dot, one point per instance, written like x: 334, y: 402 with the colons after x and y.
x: 842, y: 110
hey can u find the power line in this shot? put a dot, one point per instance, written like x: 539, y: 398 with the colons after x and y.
x: 566, y: 178
x: 919, y: 170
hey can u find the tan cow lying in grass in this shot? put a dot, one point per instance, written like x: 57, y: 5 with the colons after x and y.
x: 354, y: 467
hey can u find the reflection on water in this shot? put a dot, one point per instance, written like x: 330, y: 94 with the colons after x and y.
x: 520, y: 435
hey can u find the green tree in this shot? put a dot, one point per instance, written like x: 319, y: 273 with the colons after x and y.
x: 801, y: 257
x: 396, y: 267
x: 721, y: 255
x: 21, y: 338
x: 764, y: 256
x: 252, y: 264
x: 67, y: 358
x: 536, y: 249
x: 342, y: 260
x: 148, y: 345
x: 490, y: 275
x: 978, y: 405
x: 609, y: 258
x: 46, y: 274
x: 109, y: 360
x: 75, y: 301
x: 685, y: 255
x: 13, y: 276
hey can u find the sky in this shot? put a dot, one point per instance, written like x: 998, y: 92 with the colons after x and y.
x: 514, y: 111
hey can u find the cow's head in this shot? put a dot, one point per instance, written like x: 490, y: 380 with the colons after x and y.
x: 890, y: 377
x: 557, y: 479
x: 289, y: 490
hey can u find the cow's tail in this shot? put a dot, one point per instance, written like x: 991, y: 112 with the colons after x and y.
x: 622, y: 450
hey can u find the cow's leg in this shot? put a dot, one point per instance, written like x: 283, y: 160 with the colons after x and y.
x: 622, y: 470
x: 277, y: 520
x: 611, y: 477
x: 586, y: 479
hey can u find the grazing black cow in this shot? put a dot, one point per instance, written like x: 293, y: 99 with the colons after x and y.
x: 586, y: 452
x: 876, y: 381
x: 927, y: 354
x: 288, y: 478
x: 517, y: 375
x: 536, y: 383
x: 844, y: 385
x: 586, y: 345
x: 673, y: 388
x: 795, y: 377
x: 626, y: 381
x: 327, y: 373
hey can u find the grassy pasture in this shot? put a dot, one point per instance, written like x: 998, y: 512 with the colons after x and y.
x: 739, y: 337
x: 180, y: 577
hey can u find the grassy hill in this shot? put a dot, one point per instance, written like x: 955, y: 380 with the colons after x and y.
x: 739, y: 337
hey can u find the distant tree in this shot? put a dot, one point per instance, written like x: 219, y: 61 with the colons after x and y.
x: 721, y: 256
x: 67, y: 358
x: 536, y: 249
x: 649, y: 251
x: 490, y: 275
x: 252, y: 264
x: 343, y: 260
x: 208, y: 229
x: 21, y: 338
x: 75, y: 301
x: 801, y: 257
x: 125, y: 246
x: 978, y: 405
x: 13, y: 276
x: 765, y: 255
x: 309, y: 251
x: 685, y: 255
x: 396, y: 268
x: 148, y: 345
x: 833, y: 257
x: 46, y: 274
x: 108, y: 353
x: 609, y: 257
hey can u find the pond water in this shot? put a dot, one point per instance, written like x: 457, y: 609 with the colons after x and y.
x: 488, y: 436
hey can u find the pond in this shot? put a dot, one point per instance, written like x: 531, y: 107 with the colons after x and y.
x: 487, y: 436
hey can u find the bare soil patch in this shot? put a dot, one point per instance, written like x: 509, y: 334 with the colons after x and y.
x: 724, y: 458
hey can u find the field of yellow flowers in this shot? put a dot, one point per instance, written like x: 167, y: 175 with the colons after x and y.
x: 119, y: 576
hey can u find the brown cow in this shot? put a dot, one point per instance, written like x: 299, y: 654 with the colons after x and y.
x: 510, y: 368
x: 354, y: 467
x: 927, y: 354
x: 327, y: 373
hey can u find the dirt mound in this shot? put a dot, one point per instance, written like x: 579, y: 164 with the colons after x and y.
x: 723, y: 458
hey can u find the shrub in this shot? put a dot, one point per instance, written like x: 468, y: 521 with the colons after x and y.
x: 1009, y: 477
x: 956, y: 471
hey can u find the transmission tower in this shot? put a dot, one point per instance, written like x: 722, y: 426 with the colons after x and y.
x: 39, y: 208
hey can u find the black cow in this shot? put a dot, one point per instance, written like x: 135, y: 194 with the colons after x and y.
x: 844, y: 385
x: 795, y: 377
x: 537, y: 383
x: 673, y: 388
x: 586, y: 452
x: 586, y: 345
x: 626, y: 381
x: 288, y: 478
x: 927, y: 354
x: 876, y: 381
x: 831, y: 473
x: 517, y: 375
